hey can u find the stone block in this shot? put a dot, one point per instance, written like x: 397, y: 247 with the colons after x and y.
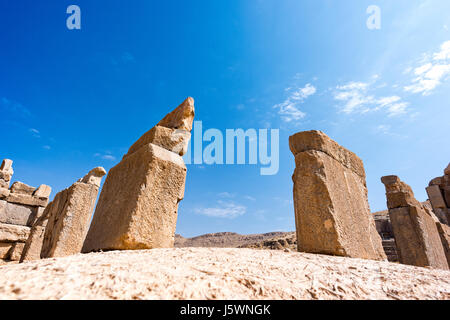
x: 13, y: 233
x: 330, y: 200
x: 12, y: 213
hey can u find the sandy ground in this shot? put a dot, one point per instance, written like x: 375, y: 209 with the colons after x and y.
x: 215, y: 273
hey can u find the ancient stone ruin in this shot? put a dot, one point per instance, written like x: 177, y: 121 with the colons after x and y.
x: 62, y: 228
x: 332, y: 212
x: 20, y: 206
x: 414, y: 225
x: 138, y: 204
x: 384, y: 228
x: 439, y: 193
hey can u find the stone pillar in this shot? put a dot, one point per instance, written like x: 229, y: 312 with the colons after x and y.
x: 61, y: 228
x: 138, y: 205
x: 332, y: 211
x: 416, y: 235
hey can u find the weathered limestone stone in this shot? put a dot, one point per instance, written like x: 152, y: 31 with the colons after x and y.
x: 330, y: 200
x: 26, y: 200
x: 16, y: 251
x: 69, y: 217
x: 13, y: 233
x: 180, y: 118
x: 444, y: 233
x: 138, y: 205
x: 22, y: 188
x: 6, y: 166
x: 43, y: 191
x: 416, y: 235
x: 319, y: 141
x: 436, y: 198
x: 447, y: 196
x: 6, y: 172
x: 4, y: 193
x: 174, y: 140
x: 33, y: 245
x: 439, y: 181
x: 137, y: 208
x: 17, y: 214
x: 5, y: 249
x: 447, y: 170
x: 94, y: 176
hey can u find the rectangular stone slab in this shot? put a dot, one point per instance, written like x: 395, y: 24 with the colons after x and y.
x: 331, y: 209
x: 68, y: 220
x: 417, y: 238
x: 137, y: 208
x: 444, y: 233
x: 12, y: 213
x: 12, y: 233
x: 436, y: 197
x: 26, y: 200
x: 319, y: 141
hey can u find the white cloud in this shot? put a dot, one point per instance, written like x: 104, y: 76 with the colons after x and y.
x: 432, y: 72
x: 357, y: 97
x: 107, y: 156
x: 289, y: 108
x: 35, y: 132
x: 250, y: 198
x: 223, y: 209
x: 46, y: 147
x: 226, y: 195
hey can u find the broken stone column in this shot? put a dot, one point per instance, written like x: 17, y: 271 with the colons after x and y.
x: 332, y: 211
x: 414, y: 226
x: 138, y: 205
x: 61, y: 228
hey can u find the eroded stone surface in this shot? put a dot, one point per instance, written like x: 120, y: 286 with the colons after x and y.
x: 416, y: 235
x: 138, y: 205
x: 43, y: 191
x: 444, y: 233
x: 26, y: 200
x: 22, y: 188
x: 180, y: 118
x: 137, y: 208
x: 94, y: 176
x: 174, y: 140
x: 13, y: 233
x: 17, y: 214
x: 330, y: 200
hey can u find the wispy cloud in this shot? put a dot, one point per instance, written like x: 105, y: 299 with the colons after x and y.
x: 358, y: 97
x: 223, y: 209
x: 107, y: 156
x: 432, y: 71
x: 226, y: 195
x: 35, y: 132
x: 289, y: 109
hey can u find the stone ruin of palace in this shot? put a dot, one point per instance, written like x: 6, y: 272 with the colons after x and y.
x: 138, y: 204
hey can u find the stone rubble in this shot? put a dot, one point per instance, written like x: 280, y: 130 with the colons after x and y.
x: 20, y: 206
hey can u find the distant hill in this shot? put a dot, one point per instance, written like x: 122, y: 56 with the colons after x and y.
x: 271, y: 240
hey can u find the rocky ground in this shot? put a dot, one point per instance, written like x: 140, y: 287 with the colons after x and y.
x: 218, y: 273
x: 270, y: 240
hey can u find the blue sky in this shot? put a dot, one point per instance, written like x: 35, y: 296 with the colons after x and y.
x: 71, y: 100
